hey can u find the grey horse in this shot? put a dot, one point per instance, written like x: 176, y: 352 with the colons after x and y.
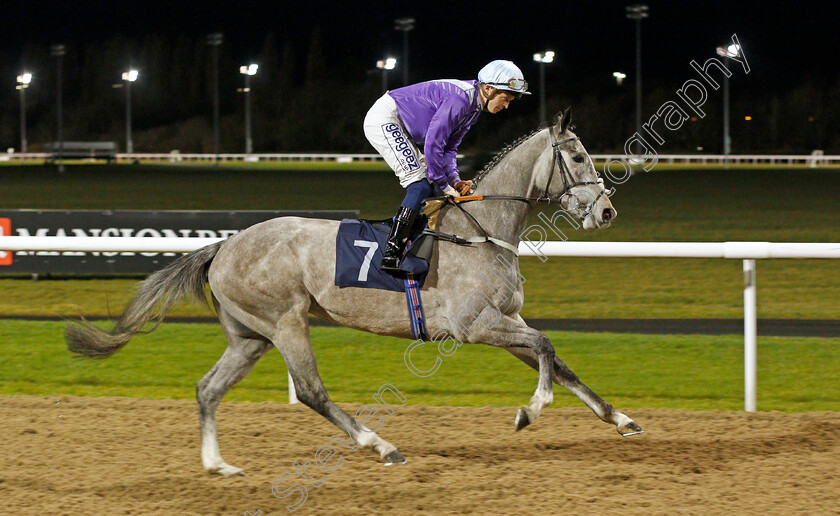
x: 265, y: 281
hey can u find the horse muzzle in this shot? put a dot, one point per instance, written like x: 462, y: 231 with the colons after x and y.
x: 598, y: 219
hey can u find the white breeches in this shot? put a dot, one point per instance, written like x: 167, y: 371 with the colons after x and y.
x: 384, y: 130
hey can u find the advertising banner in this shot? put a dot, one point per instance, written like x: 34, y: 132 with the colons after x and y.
x: 123, y: 223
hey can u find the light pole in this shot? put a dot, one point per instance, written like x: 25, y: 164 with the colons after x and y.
x: 638, y: 12
x: 215, y: 40
x: 23, y: 83
x: 248, y: 71
x: 385, y: 65
x: 58, y: 52
x: 727, y: 52
x: 404, y: 25
x: 542, y: 59
x: 129, y: 77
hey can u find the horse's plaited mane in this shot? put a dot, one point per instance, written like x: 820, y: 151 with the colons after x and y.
x: 501, y: 154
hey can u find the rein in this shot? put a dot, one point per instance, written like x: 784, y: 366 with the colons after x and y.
x: 568, y: 183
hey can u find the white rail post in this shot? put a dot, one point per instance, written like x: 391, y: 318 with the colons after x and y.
x: 750, y: 331
x: 292, y: 394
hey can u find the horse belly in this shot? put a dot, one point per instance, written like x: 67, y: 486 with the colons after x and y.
x: 381, y: 312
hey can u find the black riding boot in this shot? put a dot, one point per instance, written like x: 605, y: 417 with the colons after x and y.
x: 400, y: 232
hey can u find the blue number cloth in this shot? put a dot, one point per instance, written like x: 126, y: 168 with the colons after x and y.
x: 358, y: 254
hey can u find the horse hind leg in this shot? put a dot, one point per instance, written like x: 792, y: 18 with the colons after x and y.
x: 604, y: 410
x: 292, y: 339
x: 244, y: 349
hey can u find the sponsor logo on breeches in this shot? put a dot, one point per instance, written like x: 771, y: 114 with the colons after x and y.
x: 401, y: 147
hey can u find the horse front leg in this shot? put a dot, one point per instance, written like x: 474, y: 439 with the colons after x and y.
x: 510, y: 334
x: 544, y: 395
x: 568, y: 379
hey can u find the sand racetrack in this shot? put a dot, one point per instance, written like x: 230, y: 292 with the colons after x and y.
x: 103, y: 456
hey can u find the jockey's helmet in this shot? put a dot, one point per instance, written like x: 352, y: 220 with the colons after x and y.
x: 504, y: 75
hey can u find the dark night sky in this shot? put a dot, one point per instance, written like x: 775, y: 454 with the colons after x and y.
x: 786, y: 43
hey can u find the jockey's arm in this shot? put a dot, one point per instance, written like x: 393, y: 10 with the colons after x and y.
x: 439, y: 149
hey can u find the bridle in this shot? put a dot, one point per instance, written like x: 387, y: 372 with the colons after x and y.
x: 569, y: 183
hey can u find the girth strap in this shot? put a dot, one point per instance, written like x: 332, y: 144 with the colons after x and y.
x: 415, y: 308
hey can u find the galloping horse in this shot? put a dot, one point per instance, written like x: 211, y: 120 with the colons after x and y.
x: 267, y: 279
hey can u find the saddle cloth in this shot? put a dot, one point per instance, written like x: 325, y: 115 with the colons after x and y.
x: 358, y: 253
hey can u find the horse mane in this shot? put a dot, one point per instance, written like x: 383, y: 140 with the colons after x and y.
x: 499, y: 156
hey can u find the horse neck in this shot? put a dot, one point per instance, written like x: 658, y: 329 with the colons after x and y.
x: 513, y: 175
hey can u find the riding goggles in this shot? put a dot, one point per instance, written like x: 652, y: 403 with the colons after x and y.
x: 515, y: 85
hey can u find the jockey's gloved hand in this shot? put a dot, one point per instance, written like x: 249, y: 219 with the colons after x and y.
x: 464, y: 187
x: 451, y: 192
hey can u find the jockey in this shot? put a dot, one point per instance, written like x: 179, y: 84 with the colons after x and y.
x: 433, y: 116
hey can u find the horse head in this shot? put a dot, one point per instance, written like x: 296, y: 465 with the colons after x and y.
x: 572, y: 179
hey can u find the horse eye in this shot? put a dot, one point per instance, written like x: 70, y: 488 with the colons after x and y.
x: 578, y: 158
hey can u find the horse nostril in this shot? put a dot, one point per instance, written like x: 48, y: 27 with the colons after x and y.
x: 607, y: 215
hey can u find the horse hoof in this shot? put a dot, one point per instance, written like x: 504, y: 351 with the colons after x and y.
x: 393, y: 458
x: 227, y: 471
x: 629, y: 429
x: 522, y: 419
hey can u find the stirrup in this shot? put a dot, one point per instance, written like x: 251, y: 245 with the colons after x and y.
x: 390, y: 263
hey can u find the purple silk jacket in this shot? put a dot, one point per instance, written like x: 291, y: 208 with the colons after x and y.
x: 437, y: 114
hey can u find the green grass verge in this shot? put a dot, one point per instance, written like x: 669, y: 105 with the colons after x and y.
x: 634, y: 371
x: 678, y: 204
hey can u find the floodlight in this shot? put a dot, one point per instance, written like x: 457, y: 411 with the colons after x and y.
x: 249, y: 70
x: 547, y: 57
x: 619, y: 77
x: 636, y: 12
x: 387, y: 64
x: 732, y: 50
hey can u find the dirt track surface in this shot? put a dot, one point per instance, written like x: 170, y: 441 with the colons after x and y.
x: 103, y: 456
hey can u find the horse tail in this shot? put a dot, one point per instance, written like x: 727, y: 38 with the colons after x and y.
x: 185, y: 277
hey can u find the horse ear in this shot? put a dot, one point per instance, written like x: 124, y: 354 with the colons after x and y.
x: 565, y: 119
